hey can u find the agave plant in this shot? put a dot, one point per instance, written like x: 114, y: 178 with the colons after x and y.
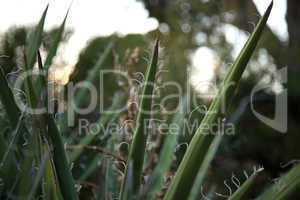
x: 35, y: 163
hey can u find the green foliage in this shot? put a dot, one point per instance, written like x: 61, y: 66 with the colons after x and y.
x: 34, y: 41
x: 7, y: 99
x: 43, y: 129
x: 43, y: 168
x: 63, y: 171
x: 284, y: 187
x: 166, y: 155
x: 137, y: 148
x: 239, y: 193
x: 198, y: 147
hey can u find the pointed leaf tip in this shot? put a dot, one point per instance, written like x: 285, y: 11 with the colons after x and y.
x: 39, y: 59
x: 156, y: 44
x: 270, y: 7
x: 46, y: 9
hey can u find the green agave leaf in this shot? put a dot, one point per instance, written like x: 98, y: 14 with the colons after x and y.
x: 4, y: 166
x: 51, y: 54
x: 64, y: 175
x: 51, y: 184
x: 195, y: 154
x: 58, y: 37
x: 137, y: 149
x: 33, y: 44
x: 15, y: 118
x: 31, y: 160
x: 205, y: 166
x: 8, y: 101
x: 109, y: 184
x: 238, y: 194
x: 12, y: 142
x: 101, y: 191
x: 25, y: 174
x: 42, y: 81
x: 34, y: 41
x: 38, y: 177
x: 10, y: 106
x: 8, y: 156
x: 128, y: 192
x: 112, y: 177
x: 166, y: 155
x: 31, y: 96
x: 38, y: 132
x: 286, y: 185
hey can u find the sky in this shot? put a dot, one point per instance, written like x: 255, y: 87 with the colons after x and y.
x: 97, y: 17
x: 104, y: 17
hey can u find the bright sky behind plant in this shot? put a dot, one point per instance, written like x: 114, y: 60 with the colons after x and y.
x: 87, y: 18
x: 93, y: 17
x: 103, y: 17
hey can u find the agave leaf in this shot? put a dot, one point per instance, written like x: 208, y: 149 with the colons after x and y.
x: 195, y: 154
x: 32, y: 158
x: 51, y: 54
x: 239, y: 193
x: 31, y: 161
x: 166, y: 155
x: 51, y: 184
x: 33, y: 44
x: 57, y: 39
x: 34, y: 41
x: 42, y: 82
x: 8, y: 101
x: 205, y: 166
x: 100, y: 192
x: 25, y: 174
x: 8, y: 157
x: 63, y: 171
x: 109, y: 184
x: 38, y: 177
x: 128, y: 192
x: 287, y: 185
x: 11, y: 144
x: 10, y: 106
x: 112, y: 183
x: 32, y: 102
x: 137, y: 149
x: 31, y: 96
x: 16, y: 121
